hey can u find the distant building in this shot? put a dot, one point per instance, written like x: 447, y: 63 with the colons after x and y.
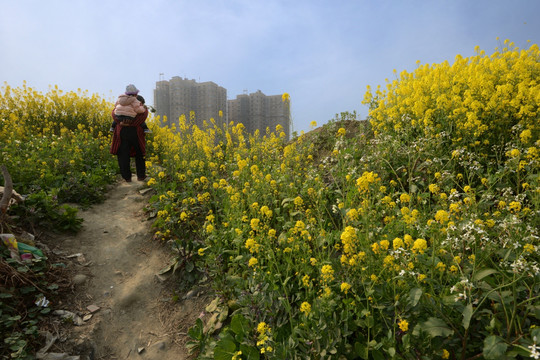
x: 178, y: 97
x: 256, y: 111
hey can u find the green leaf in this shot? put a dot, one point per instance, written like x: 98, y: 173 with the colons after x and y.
x: 239, y: 325
x: 52, y: 287
x: 370, y: 321
x: 249, y: 352
x: 377, y: 355
x: 436, y: 327
x: 196, y: 331
x: 225, y: 349
x: 179, y: 262
x: 286, y: 200
x: 168, y: 268
x: 414, y: 296
x: 467, y: 314
x: 361, y: 350
x: 494, y: 347
x: 483, y: 273
x: 213, y: 305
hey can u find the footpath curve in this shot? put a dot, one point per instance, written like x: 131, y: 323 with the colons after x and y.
x: 114, y: 264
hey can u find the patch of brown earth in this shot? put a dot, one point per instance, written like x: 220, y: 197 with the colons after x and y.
x: 114, y: 266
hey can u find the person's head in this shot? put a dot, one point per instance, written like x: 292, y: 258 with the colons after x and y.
x: 131, y: 90
x: 141, y: 99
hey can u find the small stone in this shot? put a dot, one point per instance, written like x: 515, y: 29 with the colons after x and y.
x: 140, y: 350
x: 161, y: 278
x: 144, y: 191
x: 87, y: 317
x: 92, y: 308
x: 130, y: 299
x: 160, y: 345
x: 79, y: 279
x: 81, y: 259
x: 190, y: 294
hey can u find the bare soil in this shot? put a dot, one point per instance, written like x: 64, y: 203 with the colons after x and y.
x: 114, y: 264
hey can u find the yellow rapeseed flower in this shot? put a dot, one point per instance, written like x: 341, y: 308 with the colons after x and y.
x: 442, y: 216
x: 405, y: 198
x: 327, y: 273
x: 419, y: 246
x: 345, y: 287
x: 403, y: 325
x: 445, y: 354
x: 397, y: 243
x: 305, y: 307
x: 525, y: 136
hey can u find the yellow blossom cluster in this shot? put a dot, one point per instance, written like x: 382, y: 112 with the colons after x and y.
x: 467, y: 94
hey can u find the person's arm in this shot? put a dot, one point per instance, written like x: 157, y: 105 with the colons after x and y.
x: 140, y: 118
x: 138, y: 107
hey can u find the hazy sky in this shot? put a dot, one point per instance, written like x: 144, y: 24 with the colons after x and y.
x: 323, y: 53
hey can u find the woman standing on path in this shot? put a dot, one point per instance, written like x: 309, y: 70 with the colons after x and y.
x: 129, y: 140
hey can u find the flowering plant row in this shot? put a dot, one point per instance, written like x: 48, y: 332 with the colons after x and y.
x: 56, y: 148
x: 415, y: 238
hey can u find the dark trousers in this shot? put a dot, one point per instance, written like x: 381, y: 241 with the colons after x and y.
x: 128, y: 137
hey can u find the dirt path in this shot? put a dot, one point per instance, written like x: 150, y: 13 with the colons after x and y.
x: 117, y: 272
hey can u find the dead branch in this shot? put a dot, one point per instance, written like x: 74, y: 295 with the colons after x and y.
x: 10, y: 277
x: 8, y: 190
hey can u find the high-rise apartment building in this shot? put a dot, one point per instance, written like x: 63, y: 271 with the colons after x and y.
x: 256, y: 111
x: 178, y: 97
x: 259, y: 112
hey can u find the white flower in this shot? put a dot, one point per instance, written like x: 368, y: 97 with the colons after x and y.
x: 534, y: 350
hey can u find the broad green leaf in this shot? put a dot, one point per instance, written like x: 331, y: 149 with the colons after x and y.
x: 286, y: 200
x: 377, y: 355
x: 494, y: 347
x: 370, y: 321
x: 361, y: 350
x: 249, y: 352
x: 196, y: 331
x: 225, y: 349
x: 177, y: 264
x: 239, y: 324
x: 168, y: 268
x: 414, y: 296
x: 436, y: 327
x: 467, y: 314
x: 479, y: 275
x: 213, y: 305
x: 223, y: 313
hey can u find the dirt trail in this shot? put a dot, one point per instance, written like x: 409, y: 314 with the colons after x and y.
x: 117, y: 272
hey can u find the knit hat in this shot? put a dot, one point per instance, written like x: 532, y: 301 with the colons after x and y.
x: 131, y: 90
